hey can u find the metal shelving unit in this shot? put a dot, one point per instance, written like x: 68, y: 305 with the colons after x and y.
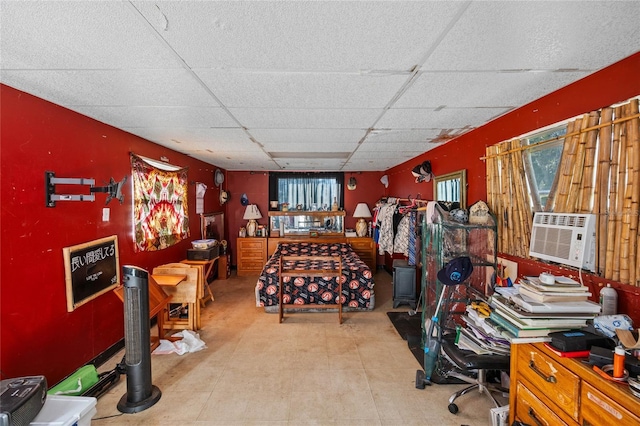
x: 445, y: 239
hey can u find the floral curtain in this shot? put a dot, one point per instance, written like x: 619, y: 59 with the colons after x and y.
x: 160, y: 208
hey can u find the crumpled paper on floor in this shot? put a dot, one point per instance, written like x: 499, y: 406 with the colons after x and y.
x: 190, y: 342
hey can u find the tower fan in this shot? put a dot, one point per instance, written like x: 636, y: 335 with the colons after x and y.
x: 141, y: 394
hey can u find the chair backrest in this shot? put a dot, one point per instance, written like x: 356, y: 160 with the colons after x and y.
x: 187, y: 290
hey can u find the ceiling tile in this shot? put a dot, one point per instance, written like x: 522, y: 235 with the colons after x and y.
x: 167, y: 87
x: 383, y: 136
x: 182, y: 139
x: 301, y: 90
x: 447, y: 118
x: 504, y: 35
x: 310, y: 137
x: 148, y: 116
x: 482, y: 89
x: 314, y: 118
x: 300, y: 36
x: 78, y: 35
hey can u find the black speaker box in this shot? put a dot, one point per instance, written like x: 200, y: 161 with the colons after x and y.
x: 21, y: 399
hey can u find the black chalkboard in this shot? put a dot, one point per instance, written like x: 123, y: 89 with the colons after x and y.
x: 91, y: 269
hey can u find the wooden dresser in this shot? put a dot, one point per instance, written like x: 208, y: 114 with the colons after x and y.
x: 366, y: 249
x: 550, y: 390
x: 252, y: 255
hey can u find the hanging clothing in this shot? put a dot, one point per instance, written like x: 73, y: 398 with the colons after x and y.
x: 385, y: 218
x: 412, y: 238
x: 401, y: 238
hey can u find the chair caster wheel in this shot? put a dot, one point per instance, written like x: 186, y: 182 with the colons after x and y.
x: 453, y: 408
x: 420, y: 379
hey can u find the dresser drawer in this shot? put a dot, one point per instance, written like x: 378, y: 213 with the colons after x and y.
x: 531, y: 410
x: 550, y: 378
x: 361, y: 245
x: 252, y: 244
x: 252, y: 254
x: 248, y: 264
x: 598, y: 409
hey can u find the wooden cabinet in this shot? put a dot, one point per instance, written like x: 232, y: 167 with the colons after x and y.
x: 252, y: 255
x: 551, y: 390
x: 366, y: 249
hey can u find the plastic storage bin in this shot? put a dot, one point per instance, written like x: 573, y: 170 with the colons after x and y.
x: 59, y: 410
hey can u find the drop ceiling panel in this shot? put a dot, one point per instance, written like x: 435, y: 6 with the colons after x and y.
x: 447, y: 118
x: 539, y: 35
x: 482, y: 89
x: 405, y: 154
x: 78, y: 35
x: 302, y: 147
x: 390, y: 147
x: 300, y: 36
x: 183, y: 139
x: 301, y: 90
x: 166, y: 87
x: 383, y: 136
x: 315, y: 118
x: 370, y: 165
x: 308, y: 136
x: 310, y: 164
x: 147, y: 116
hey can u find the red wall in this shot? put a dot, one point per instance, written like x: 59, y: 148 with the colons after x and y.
x: 611, y: 85
x: 38, y: 335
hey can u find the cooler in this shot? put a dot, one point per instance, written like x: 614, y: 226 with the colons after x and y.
x: 59, y: 410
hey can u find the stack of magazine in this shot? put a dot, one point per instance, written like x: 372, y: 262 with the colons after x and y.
x: 537, y: 309
x: 480, y: 337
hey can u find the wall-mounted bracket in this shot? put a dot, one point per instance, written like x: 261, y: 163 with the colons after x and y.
x: 114, y: 189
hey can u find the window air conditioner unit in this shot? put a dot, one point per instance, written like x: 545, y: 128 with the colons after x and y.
x: 566, y: 238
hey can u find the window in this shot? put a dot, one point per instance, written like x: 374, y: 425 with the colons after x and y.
x: 307, y: 191
x: 543, y: 159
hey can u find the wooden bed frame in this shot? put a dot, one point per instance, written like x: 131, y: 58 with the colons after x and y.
x: 292, y: 273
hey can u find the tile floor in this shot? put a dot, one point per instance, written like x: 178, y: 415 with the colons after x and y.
x: 309, y: 370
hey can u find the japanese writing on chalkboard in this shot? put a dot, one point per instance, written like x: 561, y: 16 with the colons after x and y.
x: 92, y: 257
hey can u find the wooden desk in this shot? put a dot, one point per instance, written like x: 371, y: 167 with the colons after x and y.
x: 204, y: 268
x: 551, y: 390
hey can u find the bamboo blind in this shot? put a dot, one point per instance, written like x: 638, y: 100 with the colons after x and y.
x: 599, y: 172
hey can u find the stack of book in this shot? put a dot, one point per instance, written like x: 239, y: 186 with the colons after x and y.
x: 522, y: 320
x: 562, y: 290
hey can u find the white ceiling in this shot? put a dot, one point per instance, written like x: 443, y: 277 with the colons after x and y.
x: 298, y: 85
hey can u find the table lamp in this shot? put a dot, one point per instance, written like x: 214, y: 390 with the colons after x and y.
x: 251, y: 214
x: 362, y: 211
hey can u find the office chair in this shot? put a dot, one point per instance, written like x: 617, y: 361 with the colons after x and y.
x: 476, y: 367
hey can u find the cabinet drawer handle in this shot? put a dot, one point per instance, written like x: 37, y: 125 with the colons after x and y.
x: 533, y: 416
x: 550, y: 379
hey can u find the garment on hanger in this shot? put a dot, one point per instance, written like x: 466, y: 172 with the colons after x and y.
x: 385, y: 218
x: 401, y: 238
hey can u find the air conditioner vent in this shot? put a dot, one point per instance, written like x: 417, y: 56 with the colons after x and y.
x: 566, y: 238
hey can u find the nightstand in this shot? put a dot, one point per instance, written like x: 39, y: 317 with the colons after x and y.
x: 365, y: 247
x: 252, y: 255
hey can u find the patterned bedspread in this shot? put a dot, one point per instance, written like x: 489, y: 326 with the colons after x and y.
x: 356, y: 281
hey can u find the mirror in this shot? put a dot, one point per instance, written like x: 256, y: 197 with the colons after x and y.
x: 451, y: 187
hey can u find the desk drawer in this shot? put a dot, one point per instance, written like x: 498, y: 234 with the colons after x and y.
x: 532, y: 411
x: 551, y: 378
x: 599, y: 409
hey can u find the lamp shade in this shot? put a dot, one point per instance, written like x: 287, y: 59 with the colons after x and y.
x: 362, y: 210
x: 252, y: 212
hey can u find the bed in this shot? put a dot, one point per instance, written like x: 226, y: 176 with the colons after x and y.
x: 356, y: 281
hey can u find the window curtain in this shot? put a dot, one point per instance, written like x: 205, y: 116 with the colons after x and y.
x: 160, y: 208
x: 319, y: 190
x: 599, y: 172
